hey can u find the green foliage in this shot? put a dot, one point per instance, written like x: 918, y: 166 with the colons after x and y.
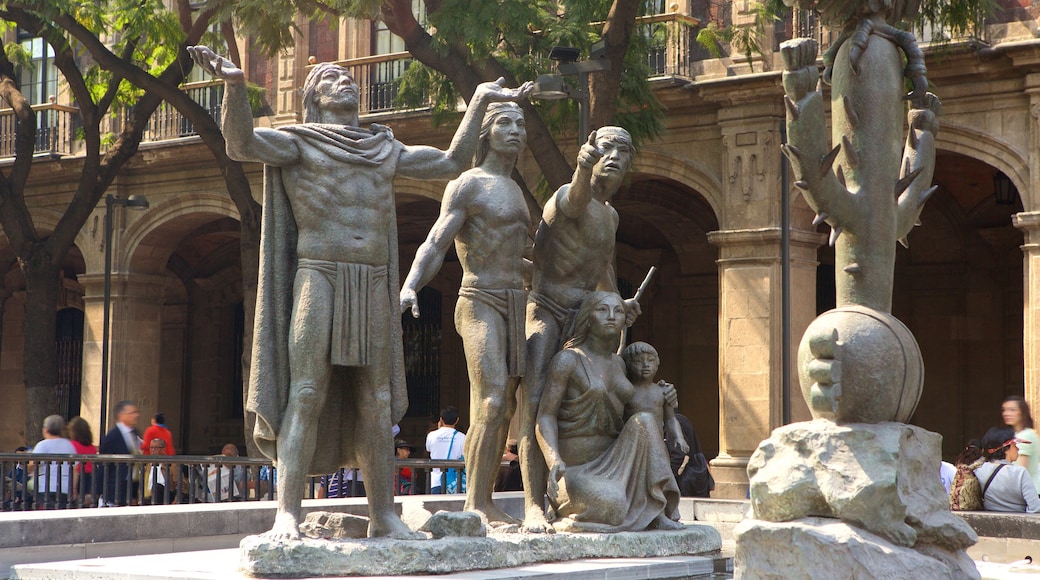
x: 272, y: 23
x: 520, y: 34
x: 746, y: 39
x: 949, y: 19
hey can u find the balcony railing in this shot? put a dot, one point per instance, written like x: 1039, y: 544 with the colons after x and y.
x: 168, y: 123
x: 55, y: 125
x: 672, y: 41
x: 804, y: 23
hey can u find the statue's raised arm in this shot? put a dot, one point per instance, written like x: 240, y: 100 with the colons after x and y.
x: 244, y: 143
x: 216, y: 65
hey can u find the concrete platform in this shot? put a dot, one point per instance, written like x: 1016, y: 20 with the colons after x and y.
x: 223, y: 565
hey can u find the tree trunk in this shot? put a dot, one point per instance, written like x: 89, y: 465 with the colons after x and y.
x: 250, y: 256
x: 39, y: 362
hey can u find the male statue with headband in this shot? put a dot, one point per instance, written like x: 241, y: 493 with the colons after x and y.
x: 573, y: 256
x: 327, y: 352
x: 485, y: 213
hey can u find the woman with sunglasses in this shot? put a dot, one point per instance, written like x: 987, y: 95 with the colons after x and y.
x: 1006, y: 487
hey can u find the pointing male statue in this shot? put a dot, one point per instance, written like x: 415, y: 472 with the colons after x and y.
x: 485, y: 213
x: 327, y: 352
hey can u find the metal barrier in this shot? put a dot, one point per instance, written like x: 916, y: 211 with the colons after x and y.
x: 58, y: 481
x: 55, y: 125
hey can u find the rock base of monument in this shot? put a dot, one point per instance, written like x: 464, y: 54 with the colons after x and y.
x: 850, y: 501
x: 260, y: 557
x: 827, y: 548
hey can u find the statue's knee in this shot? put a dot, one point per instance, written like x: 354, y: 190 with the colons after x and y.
x: 306, y: 396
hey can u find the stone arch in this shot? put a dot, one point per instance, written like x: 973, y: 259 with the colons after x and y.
x: 138, y: 231
x: 992, y: 151
x: 685, y: 171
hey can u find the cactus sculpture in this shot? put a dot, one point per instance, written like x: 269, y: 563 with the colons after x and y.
x: 857, y: 363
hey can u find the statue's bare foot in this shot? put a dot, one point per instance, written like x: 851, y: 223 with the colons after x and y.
x: 286, y: 528
x: 663, y: 522
x: 391, y: 526
x: 494, y: 516
x: 535, y: 522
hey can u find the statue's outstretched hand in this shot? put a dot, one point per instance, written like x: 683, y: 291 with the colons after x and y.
x: 216, y: 65
x: 671, y: 396
x: 497, y: 92
x: 409, y: 300
x: 589, y: 155
x: 676, y: 437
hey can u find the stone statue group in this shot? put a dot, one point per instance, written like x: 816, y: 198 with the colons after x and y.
x: 327, y: 353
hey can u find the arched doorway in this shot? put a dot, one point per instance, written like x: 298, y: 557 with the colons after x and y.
x: 664, y: 223
x: 185, y: 283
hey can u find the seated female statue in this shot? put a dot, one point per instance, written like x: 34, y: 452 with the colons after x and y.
x: 608, y: 466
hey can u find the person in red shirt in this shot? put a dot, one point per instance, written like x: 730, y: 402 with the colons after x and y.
x: 403, y: 450
x: 158, y: 430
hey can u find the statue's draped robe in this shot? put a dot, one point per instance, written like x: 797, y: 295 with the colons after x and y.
x: 269, y: 375
x: 630, y: 483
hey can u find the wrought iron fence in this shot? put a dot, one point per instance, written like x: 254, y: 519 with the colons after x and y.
x: 34, y: 481
x: 672, y: 42
x: 55, y: 128
x: 169, y: 123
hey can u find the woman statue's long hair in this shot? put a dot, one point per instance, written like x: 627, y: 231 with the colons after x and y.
x: 583, y: 320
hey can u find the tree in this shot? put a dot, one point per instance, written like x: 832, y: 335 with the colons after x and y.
x: 143, y: 67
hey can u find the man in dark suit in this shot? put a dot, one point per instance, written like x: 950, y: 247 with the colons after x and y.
x: 122, y: 440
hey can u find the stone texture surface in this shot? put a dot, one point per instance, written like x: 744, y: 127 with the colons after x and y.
x: 331, y: 525
x: 444, y: 524
x: 879, y: 477
x: 260, y: 557
x: 827, y: 548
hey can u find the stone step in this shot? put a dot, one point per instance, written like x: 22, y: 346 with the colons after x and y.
x: 223, y: 565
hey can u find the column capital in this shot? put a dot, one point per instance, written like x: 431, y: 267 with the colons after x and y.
x: 1029, y: 223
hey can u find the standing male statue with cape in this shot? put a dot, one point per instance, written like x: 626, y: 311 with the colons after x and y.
x: 327, y: 353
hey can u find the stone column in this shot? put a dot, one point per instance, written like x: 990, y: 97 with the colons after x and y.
x: 134, y: 344
x: 751, y: 339
x: 1029, y: 223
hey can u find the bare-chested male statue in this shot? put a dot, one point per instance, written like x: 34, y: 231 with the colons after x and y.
x: 485, y: 213
x: 573, y: 256
x: 327, y: 346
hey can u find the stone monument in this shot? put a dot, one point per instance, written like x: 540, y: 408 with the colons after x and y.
x: 327, y: 353
x: 856, y: 491
x: 485, y: 213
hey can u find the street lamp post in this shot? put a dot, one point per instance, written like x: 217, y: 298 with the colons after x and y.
x: 138, y: 202
x: 553, y: 86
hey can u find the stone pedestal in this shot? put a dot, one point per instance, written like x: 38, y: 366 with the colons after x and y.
x: 856, y: 496
x: 260, y: 557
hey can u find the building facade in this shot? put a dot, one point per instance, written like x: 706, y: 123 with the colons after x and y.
x: 704, y: 205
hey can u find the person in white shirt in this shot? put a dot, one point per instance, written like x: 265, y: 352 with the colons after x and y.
x: 53, y: 478
x: 446, y: 442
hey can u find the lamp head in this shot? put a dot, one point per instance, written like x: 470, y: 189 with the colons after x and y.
x: 138, y: 202
x: 550, y: 88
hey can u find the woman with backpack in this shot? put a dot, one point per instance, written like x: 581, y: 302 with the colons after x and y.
x: 1005, y: 487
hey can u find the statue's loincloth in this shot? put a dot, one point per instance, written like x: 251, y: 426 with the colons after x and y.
x: 510, y: 304
x: 562, y: 315
x: 360, y: 301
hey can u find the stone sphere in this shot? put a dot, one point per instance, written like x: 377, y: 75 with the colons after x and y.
x: 871, y: 374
